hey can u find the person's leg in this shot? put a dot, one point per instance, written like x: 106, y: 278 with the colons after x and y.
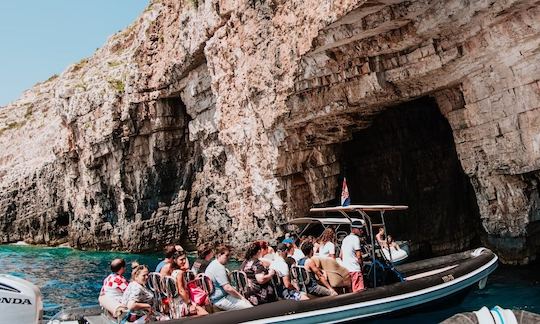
x: 357, y: 281
x: 232, y: 303
x: 319, y: 290
x: 294, y: 295
x: 223, y: 304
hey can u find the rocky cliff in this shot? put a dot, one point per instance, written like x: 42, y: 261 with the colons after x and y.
x: 221, y: 119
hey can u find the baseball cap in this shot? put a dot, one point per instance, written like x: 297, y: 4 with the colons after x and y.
x: 288, y: 241
x: 357, y: 225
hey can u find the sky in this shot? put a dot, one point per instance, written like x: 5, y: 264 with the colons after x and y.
x: 40, y: 38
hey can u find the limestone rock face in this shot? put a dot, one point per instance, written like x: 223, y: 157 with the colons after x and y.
x: 220, y: 120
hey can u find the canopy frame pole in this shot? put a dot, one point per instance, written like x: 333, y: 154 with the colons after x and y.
x: 303, y: 230
x: 369, y: 228
x: 346, y: 216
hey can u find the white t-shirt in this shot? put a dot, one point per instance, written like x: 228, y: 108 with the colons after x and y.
x: 280, y: 266
x: 327, y: 249
x: 350, y: 244
x: 297, y: 255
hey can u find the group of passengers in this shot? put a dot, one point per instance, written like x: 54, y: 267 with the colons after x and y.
x: 268, y: 275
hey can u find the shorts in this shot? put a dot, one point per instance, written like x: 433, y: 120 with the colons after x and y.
x: 357, y: 281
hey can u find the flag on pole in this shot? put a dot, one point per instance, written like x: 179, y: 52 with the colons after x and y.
x: 345, y: 199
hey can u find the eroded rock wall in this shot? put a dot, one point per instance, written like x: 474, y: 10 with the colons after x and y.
x: 220, y: 119
x: 479, y: 60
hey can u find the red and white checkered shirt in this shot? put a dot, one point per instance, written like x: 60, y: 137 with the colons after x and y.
x: 114, y: 286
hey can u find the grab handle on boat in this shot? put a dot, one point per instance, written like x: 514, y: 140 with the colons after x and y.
x: 478, y: 251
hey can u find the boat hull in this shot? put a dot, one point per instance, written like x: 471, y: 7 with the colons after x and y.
x: 451, y: 275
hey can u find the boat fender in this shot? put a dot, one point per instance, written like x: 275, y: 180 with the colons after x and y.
x: 497, y: 315
x: 478, y: 251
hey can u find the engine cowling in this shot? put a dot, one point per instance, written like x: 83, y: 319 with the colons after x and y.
x: 20, y: 301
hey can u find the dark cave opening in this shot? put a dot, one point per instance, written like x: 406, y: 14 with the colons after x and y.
x: 408, y: 157
x: 161, y: 148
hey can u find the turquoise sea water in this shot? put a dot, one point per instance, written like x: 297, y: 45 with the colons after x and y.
x: 71, y: 278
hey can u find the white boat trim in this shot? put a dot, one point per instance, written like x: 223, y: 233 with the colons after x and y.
x: 430, y: 273
x: 309, y: 314
x: 324, y: 221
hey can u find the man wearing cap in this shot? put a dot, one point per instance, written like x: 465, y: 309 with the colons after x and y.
x: 351, y: 255
x: 286, y: 290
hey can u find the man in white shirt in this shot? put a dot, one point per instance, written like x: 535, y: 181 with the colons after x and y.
x: 286, y: 290
x: 351, y: 254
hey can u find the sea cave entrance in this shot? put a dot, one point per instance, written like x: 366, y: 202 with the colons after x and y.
x: 408, y: 156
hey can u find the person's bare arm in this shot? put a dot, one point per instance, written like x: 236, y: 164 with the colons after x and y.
x: 358, y: 254
x: 287, y: 282
x: 231, y: 291
x: 133, y: 305
x: 264, y: 278
x: 322, y: 278
x: 165, y: 270
x: 182, y: 291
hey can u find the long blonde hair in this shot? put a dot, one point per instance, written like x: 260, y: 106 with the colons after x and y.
x: 327, y: 236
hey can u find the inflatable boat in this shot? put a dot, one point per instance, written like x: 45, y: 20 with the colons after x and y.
x: 414, y: 284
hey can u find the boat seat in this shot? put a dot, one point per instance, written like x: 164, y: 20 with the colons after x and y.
x: 155, y: 284
x: 275, y: 282
x: 239, y: 280
x: 301, y: 276
x: 204, y: 282
x: 189, y: 275
x: 171, y: 292
x: 169, y: 285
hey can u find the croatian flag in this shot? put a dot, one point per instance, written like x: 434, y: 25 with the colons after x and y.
x: 345, y: 199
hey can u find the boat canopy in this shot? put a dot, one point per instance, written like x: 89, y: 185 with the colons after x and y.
x: 324, y: 221
x: 365, y: 208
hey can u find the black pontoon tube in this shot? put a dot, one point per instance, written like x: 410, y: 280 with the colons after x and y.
x: 394, y: 297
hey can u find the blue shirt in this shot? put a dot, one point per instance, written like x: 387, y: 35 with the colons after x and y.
x: 160, y: 265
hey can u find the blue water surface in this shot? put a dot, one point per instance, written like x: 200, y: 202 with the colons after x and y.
x: 67, y: 277
x: 71, y: 278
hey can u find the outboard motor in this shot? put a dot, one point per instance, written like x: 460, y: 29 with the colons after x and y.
x: 20, y: 301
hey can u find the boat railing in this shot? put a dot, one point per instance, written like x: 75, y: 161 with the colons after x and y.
x: 239, y: 280
x: 155, y: 284
x: 204, y: 282
x: 301, y: 276
x: 189, y: 275
x: 276, y: 281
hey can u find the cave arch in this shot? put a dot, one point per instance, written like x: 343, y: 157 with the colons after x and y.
x: 398, y: 154
x: 408, y: 156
